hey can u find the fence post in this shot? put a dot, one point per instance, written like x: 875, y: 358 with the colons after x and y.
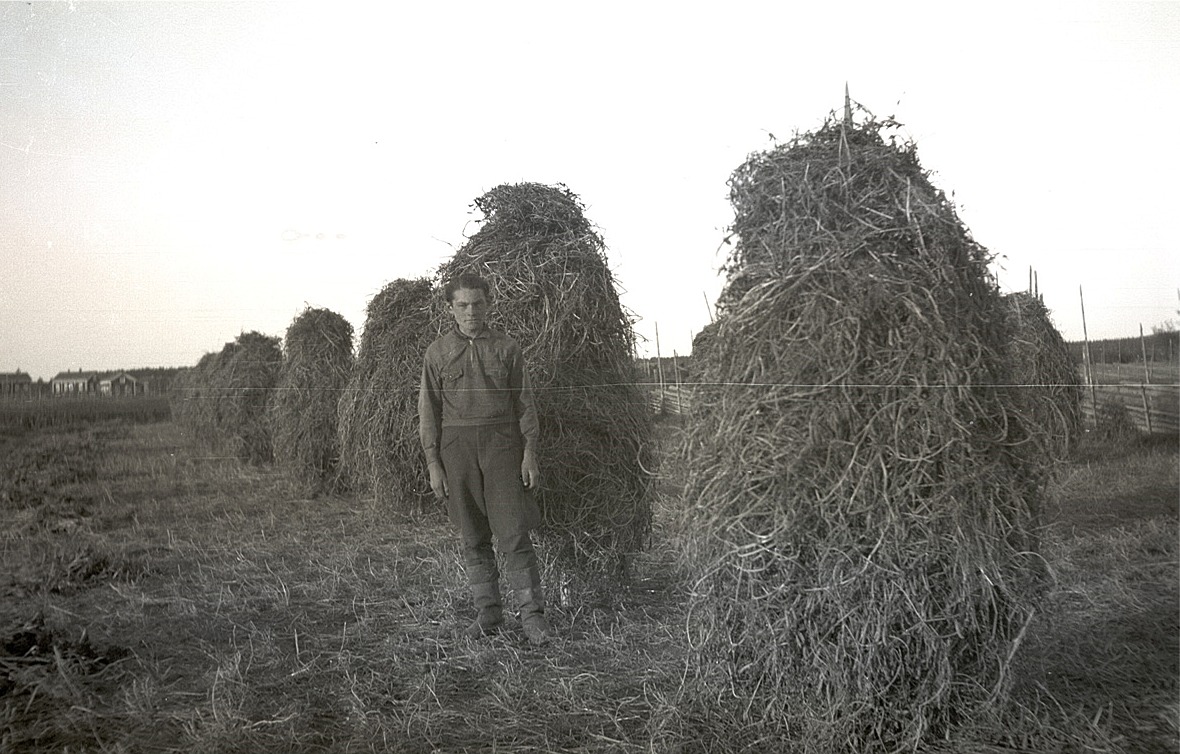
x: 676, y: 374
x: 1087, y: 361
x: 1146, y: 380
x: 1143, y: 347
x: 660, y: 369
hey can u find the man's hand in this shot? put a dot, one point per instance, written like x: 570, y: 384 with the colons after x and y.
x: 438, y: 481
x: 530, y: 473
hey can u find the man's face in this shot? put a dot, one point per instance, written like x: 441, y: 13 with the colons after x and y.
x: 469, y: 306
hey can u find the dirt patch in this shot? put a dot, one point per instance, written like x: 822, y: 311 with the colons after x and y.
x: 32, y: 654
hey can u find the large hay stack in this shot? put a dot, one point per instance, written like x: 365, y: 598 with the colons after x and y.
x: 1046, y: 381
x: 380, y: 449
x: 553, y: 292
x: 858, y: 519
x: 223, y: 399
x: 317, y: 363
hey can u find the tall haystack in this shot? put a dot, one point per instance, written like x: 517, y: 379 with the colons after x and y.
x: 1046, y: 381
x: 858, y: 514
x: 553, y: 292
x: 378, y: 421
x: 317, y: 364
x: 223, y: 399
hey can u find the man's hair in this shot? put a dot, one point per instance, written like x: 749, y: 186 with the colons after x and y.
x: 467, y: 280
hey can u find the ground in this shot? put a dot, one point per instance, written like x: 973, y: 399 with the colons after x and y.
x: 155, y: 598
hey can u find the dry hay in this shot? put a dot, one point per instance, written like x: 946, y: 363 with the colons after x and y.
x: 223, y: 399
x: 702, y: 343
x: 1046, y: 381
x: 858, y: 522
x: 553, y: 293
x: 381, y: 452
x: 188, y: 400
x: 317, y: 363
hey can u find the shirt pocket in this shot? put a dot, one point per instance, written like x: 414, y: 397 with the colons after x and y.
x: 497, y: 377
x: 452, y: 377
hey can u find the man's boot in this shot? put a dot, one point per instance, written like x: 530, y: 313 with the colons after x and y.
x: 526, y: 592
x: 490, y: 617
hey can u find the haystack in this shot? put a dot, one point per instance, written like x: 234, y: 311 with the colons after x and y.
x: 553, y: 292
x: 224, y: 398
x: 191, y: 406
x: 317, y: 364
x: 378, y: 420
x: 858, y: 517
x: 702, y: 343
x: 1045, y: 379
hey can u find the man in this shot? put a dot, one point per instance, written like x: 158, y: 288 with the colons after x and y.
x: 479, y: 430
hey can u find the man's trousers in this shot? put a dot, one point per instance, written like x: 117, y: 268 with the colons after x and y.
x: 486, y: 497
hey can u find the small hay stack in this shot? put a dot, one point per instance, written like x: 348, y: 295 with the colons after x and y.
x: 553, y: 293
x: 378, y: 421
x: 224, y: 398
x: 857, y: 518
x: 191, y: 404
x: 1045, y: 379
x: 242, y: 384
x: 317, y: 364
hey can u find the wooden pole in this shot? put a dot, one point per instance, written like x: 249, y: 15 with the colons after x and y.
x: 1146, y: 380
x: 1146, y: 407
x: 1143, y: 346
x: 676, y: 374
x: 660, y: 370
x: 1086, y: 356
x: 708, y: 308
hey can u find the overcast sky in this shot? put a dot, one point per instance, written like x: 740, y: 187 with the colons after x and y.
x: 173, y: 174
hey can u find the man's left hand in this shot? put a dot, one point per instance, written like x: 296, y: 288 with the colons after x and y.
x: 530, y: 473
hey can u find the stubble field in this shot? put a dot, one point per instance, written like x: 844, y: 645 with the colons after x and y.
x: 153, y: 598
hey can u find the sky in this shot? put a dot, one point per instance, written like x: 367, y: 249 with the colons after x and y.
x: 175, y: 174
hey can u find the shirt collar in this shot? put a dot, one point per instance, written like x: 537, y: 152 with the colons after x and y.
x: 484, y: 333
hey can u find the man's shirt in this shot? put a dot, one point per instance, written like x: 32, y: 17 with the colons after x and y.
x: 471, y: 382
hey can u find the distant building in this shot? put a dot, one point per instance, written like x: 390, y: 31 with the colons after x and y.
x: 117, y: 384
x: 121, y: 384
x: 15, y: 384
x: 75, y: 383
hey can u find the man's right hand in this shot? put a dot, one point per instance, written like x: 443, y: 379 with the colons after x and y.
x: 438, y: 481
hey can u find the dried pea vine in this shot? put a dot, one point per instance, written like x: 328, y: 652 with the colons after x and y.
x: 860, y: 502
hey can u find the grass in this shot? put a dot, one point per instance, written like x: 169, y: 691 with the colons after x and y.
x: 156, y: 598
x: 22, y: 415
